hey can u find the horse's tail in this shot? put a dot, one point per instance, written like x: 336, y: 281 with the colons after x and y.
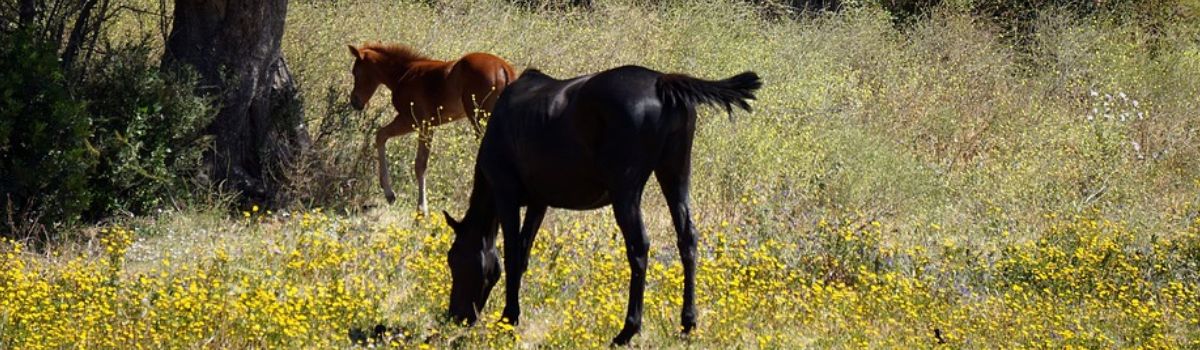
x: 680, y: 90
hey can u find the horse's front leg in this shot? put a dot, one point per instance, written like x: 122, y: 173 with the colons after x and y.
x: 385, y: 181
x: 424, y: 140
x: 516, y: 259
x: 628, y: 212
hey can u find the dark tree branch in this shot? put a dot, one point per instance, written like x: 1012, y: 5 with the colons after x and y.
x: 105, y: 14
x: 27, y: 13
x: 79, y: 34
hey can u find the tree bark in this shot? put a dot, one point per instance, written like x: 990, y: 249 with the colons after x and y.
x: 234, y: 46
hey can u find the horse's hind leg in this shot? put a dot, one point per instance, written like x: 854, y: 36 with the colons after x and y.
x: 472, y: 106
x: 477, y: 103
x: 673, y: 176
x: 628, y: 212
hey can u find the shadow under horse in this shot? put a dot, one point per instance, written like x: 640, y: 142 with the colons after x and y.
x: 582, y: 144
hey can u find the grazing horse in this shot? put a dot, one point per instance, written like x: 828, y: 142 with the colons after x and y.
x: 425, y: 93
x: 582, y: 144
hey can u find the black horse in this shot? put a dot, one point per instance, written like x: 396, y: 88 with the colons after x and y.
x: 582, y: 144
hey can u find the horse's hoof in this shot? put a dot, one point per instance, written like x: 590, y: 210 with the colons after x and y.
x: 624, y: 337
x: 391, y: 197
x: 687, y: 329
x: 689, y: 323
x: 377, y: 335
x: 512, y: 317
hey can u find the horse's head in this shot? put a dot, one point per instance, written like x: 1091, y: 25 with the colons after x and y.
x: 474, y: 270
x: 366, y: 78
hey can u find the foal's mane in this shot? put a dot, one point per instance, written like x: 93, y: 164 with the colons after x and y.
x: 395, y: 53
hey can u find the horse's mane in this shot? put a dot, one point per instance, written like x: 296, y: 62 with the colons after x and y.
x: 534, y: 73
x: 395, y: 53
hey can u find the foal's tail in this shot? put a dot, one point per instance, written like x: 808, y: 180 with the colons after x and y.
x: 508, y: 74
x: 680, y: 89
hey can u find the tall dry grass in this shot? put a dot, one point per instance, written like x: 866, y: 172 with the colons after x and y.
x: 897, y: 186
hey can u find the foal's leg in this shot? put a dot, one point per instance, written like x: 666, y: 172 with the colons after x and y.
x: 381, y: 137
x: 477, y: 101
x: 673, y: 176
x: 628, y: 212
x: 473, y: 107
x: 424, y: 138
x: 516, y: 259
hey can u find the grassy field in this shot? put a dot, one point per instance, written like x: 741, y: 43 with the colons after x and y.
x: 932, y: 184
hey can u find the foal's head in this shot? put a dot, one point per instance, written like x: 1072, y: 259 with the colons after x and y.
x: 375, y: 62
x: 366, y: 74
x: 474, y: 267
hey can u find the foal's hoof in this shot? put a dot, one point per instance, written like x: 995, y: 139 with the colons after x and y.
x: 391, y: 197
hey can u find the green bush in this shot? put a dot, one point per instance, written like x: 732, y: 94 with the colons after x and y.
x: 44, y: 152
x: 112, y: 136
x: 1018, y: 17
x: 145, y: 128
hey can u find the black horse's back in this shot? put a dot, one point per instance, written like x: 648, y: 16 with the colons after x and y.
x: 532, y: 142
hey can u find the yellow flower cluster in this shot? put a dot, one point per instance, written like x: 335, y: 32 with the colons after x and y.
x: 95, y: 302
x: 1083, y: 283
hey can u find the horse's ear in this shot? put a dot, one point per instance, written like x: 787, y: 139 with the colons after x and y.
x: 450, y: 220
x: 354, y: 52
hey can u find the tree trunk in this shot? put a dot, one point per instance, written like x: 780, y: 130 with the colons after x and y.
x: 234, y: 46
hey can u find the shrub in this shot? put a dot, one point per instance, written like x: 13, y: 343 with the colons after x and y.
x: 44, y: 153
x: 81, y: 147
x: 145, y: 129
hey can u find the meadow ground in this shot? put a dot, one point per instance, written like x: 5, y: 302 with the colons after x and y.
x: 934, y: 183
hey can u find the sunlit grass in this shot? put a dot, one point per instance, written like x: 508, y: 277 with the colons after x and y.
x: 894, y: 188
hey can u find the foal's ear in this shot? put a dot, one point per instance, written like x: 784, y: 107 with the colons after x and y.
x: 354, y: 52
x: 450, y: 220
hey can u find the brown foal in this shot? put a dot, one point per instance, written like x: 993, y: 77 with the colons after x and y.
x: 425, y: 93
